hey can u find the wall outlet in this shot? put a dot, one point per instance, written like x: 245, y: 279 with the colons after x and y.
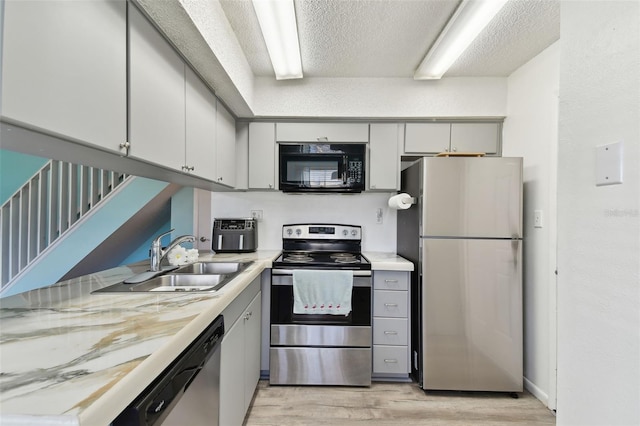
x: 256, y: 214
x: 378, y: 215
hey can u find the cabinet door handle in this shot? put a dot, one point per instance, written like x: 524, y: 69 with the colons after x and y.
x: 126, y: 146
x: 391, y: 361
x: 390, y: 332
x: 391, y: 305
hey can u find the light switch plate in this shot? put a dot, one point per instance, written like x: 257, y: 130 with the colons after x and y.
x: 609, y: 164
x: 538, y: 220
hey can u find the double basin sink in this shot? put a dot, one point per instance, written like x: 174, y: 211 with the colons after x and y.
x: 199, y: 276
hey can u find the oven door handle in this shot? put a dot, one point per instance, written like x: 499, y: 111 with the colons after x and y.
x: 290, y: 272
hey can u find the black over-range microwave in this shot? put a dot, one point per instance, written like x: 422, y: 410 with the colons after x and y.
x: 322, y: 167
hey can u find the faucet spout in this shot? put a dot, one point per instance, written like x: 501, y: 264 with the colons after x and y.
x: 157, y: 254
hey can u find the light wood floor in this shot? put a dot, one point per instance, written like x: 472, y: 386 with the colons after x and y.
x: 390, y: 404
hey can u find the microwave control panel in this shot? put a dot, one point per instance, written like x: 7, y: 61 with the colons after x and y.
x: 354, y: 172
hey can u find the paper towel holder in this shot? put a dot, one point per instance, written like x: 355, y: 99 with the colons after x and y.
x: 402, y: 201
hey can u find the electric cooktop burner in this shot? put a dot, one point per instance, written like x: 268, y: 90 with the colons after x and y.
x: 322, y: 246
x: 297, y: 258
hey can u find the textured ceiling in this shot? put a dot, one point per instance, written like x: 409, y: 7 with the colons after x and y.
x: 389, y: 38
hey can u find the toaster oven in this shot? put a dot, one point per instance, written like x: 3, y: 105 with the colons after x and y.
x: 234, y: 235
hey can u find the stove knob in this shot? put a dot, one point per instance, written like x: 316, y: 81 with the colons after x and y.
x: 354, y: 232
x: 345, y: 232
x: 289, y: 231
x: 298, y: 231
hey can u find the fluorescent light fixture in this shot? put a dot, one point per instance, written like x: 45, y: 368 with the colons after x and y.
x: 277, y: 20
x: 464, y: 26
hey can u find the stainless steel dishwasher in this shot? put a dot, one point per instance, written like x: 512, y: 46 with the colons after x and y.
x: 187, y: 392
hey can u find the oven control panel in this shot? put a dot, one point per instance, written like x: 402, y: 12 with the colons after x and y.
x: 322, y: 232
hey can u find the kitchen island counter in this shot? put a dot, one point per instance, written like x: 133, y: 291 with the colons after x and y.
x: 69, y: 357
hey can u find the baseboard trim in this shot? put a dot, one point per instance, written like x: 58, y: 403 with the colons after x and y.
x: 536, y: 391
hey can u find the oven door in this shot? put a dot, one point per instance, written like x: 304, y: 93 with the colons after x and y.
x: 282, y: 303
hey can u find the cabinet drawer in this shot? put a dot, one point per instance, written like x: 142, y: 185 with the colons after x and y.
x: 390, y: 331
x: 390, y: 280
x: 312, y: 132
x: 390, y: 359
x: 388, y: 303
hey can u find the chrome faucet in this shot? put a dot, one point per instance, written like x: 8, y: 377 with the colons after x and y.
x: 157, y: 254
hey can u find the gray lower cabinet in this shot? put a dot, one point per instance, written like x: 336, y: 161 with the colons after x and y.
x: 240, y: 356
x: 391, y: 325
x: 64, y: 68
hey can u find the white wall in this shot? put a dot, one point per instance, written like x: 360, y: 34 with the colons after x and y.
x: 598, y: 227
x: 279, y: 209
x: 381, y: 97
x: 531, y: 131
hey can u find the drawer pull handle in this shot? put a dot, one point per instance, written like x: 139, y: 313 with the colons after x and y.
x: 391, y: 305
x: 391, y: 281
x: 391, y: 332
x: 391, y: 361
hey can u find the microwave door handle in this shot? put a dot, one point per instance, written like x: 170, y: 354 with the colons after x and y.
x: 219, y: 242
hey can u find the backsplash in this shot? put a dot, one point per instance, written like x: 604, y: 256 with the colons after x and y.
x: 279, y: 208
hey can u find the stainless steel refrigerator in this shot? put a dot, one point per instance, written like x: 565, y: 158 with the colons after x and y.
x: 464, y: 235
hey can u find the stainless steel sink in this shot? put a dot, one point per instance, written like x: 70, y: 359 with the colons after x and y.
x: 199, y: 276
x: 183, y: 282
x: 212, y: 268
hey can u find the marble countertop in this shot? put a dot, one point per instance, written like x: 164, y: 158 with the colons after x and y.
x: 69, y: 357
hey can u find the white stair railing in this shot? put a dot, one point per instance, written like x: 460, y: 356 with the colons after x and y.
x: 45, y: 208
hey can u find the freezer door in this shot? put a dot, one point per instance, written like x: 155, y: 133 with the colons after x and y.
x: 472, y: 315
x: 472, y: 197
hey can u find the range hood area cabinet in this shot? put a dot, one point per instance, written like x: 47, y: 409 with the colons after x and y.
x: 434, y: 138
x: 69, y: 79
x: 383, y: 159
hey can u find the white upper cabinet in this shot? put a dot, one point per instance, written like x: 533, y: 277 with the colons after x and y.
x: 329, y: 132
x: 262, y: 156
x: 434, y: 138
x: 200, y: 116
x: 64, y: 68
x: 476, y: 137
x: 421, y: 138
x: 225, y: 147
x: 157, y: 96
x: 384, y: 159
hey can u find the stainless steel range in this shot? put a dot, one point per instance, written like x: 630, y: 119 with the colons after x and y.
x: 321, y: 308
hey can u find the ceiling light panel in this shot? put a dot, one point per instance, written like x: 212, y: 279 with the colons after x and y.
x: 471, y: 17
x: 277, y: 20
